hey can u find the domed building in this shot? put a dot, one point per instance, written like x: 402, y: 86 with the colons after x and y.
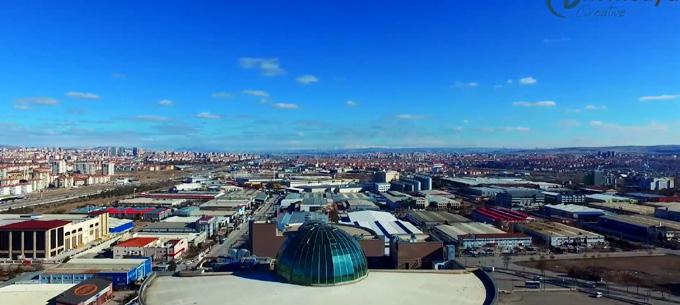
x: 319, y: 254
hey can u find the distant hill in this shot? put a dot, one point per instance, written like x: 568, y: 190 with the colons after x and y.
x: 654, y: 149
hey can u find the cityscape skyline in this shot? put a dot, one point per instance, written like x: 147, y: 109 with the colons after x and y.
x: 436, y: 75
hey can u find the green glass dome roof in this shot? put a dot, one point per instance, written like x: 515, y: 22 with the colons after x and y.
x: 320, y: 255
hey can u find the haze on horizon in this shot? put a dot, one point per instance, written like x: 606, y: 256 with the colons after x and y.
x: 266, y: 75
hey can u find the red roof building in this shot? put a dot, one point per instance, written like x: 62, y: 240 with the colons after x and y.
x: 138, y: 242
x: 34, y: 225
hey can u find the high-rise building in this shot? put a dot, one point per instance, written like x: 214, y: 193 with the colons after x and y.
x: 657, y: 184
x: 417, y: 186
x: 108, y: 169
x: 425, y: 182
x: 86, y: 168
x: 598, y: 177
x: 58, y: 167
x: 385, y: 176
x: 137, y: 152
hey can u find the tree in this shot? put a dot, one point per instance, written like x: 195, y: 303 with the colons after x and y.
x: 172, y: 266
x: 333, y: 215
x: 506, y: 260
x: 408, y: 204
x: 542, y: 265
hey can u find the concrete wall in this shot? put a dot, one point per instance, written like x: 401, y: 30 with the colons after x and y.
x: 264, y: 240
x: 416, y: 255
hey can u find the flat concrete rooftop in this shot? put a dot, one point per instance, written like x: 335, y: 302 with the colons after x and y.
x: 394, y: 288
x: 31, y: 294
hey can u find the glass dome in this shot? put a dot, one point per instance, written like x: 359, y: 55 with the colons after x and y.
x: 320, y: 255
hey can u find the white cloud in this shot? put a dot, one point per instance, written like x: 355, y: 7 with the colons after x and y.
x: 663, y: 97
x: 651, y: 128
x: 267, y: 66
x: 26, y: 103
x: 465, y: 85
x: 595, y: 107
x: 285, y: 106
x: 569, y: 123
x: 82, y: 95
x: 307, y: 79
x: 527, y: 81
x: 165, y: 102
x: 257, y: 93
x: 208, y: 116
x: 152, y: 118
x: 535, y: 104
x: 351, y: 104
x: 504, y: 129
x: 518, y: 129
x: 409, y: 117
x: 222, y: 95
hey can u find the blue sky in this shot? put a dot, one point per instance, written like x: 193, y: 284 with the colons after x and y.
x: 279, y: 75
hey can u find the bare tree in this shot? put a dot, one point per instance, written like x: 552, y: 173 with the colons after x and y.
x: 506, y: 260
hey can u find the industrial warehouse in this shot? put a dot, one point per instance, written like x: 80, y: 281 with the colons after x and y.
x: 476, y: 235
x: 121, y: 272
x: 558, y: 235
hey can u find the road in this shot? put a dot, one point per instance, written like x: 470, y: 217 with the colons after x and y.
x: 29, y: 202
x: 512, y: 278
x: 240, y: 234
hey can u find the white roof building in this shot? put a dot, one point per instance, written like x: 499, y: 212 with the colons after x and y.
x: 384, y: 225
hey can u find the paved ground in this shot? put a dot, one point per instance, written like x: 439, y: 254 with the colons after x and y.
x: 392, y: 288
x: 554, y: 298
x: 512, y: 280
x: 652, y: 270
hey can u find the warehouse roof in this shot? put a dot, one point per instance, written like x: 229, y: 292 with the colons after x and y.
x: 646, y: 221
x: 182, y: 219
x: 608, y: 197
x: 425, y: 217
x: 96, y: 265
x: 500, y: 214
x: 555, y: 229
x: 383, y: 223
x: 152, y: 201
x: 476, y: 181
x: 225, y: 203
x: 83, y: 291
x: 624, y: 206
x: 574, y: 208
x: 645, y: 195
x: 458, y: 229
x: 137, y: 242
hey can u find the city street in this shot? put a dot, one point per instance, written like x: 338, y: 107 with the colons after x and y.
x: 239, y: 235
